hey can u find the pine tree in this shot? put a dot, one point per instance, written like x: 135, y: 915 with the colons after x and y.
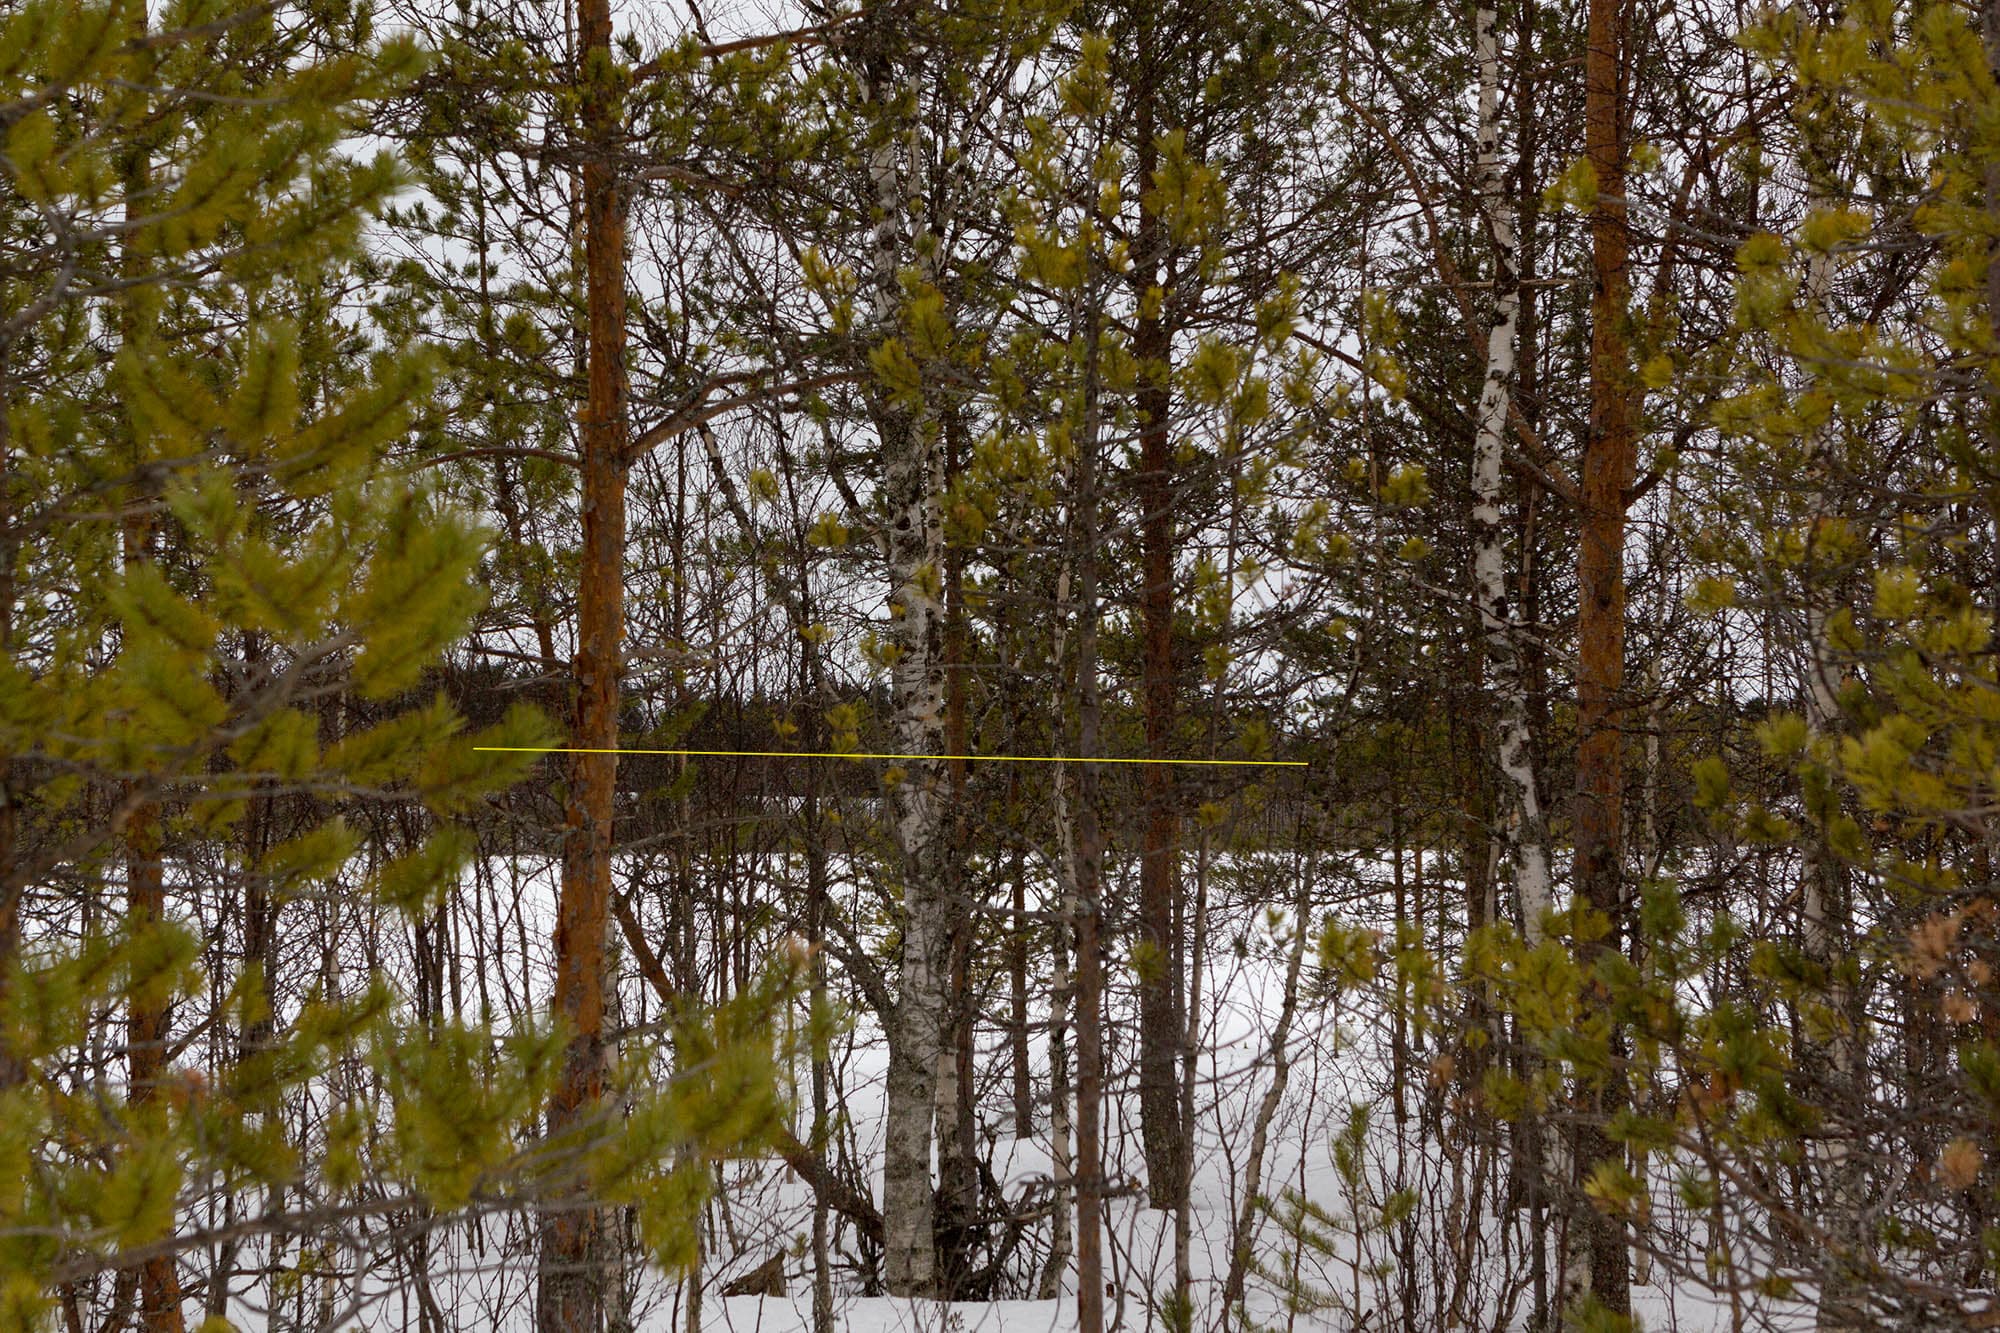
x: 1858, y: 532
x: 1607, y: 471
x: 265, y: 637
x: 165, y: 501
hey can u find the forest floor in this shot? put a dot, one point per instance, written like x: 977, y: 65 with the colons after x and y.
x: 1338, y: 1151
x: 1325, y: 1271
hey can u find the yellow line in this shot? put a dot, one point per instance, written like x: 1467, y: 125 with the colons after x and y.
x: 843, y: 754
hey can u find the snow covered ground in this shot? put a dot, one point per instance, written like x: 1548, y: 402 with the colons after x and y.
x: 1348, y: 1278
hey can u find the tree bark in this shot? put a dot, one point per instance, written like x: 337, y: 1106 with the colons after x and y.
x: 574, y: 1275
x: 1526, y: 826
x: 1825, y: 922
x: 146, y: 1031
x: 1062, y: 1168
x: 1087, y: 906
x: 822, y: 1063
x: 1017, y: 973
x: 958, y: 1171
x: 911, y: 478
x: 1608, y: 463
x: 1160, y: 984
x: 159, y: 1288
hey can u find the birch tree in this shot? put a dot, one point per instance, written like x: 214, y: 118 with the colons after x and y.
x: 912, y: 474
x: 1526, y: 825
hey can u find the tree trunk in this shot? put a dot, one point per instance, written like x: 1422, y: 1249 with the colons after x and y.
x: 1062, y: 1172
x: 822, y: 1063
x: 1608, y: 461
x: 12, y: 1071
x: 1160, y: 985
x: 1182, y: 1315
x: 574, y: 1275
x: 1089, y: 1071
x: 911, y: 478
x: 1087, y: 906
x: 1017, y: 970
x: 958, y: 1172
x: 1826, y: 927
x: 146, y: 1036
x: 1018, y: 933
x: 159, y: 1289
x: 917, y: 1022
x: 1526, y: 825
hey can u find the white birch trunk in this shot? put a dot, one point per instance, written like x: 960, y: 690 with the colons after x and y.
x: 1525, y: 821
x: 1527, y: 825
x: 912, y: 478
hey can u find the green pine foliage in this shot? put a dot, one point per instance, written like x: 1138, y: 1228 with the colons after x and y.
x: 1853, y: 500
x: 175, y: 368
x: 289, y: 544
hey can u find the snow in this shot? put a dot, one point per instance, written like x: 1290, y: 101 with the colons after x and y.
x: 1340, y: 1061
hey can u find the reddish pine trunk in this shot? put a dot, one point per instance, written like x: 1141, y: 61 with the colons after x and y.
x: 159, y: 1284
x: 1607, y: 471
x: 146, y: 1041
x: 572, y: 1281
x: 1608, y: 460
